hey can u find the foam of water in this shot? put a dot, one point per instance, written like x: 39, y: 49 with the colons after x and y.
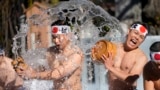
x: 87, y: 20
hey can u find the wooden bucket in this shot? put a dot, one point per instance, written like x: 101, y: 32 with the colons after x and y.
x: 102, y: 47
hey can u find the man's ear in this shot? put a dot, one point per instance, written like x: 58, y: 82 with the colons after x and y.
x: 129, y: 30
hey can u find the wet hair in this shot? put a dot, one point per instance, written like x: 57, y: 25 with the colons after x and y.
x: 151, y: 71
x: 155, y: 47
x: 61, y: 21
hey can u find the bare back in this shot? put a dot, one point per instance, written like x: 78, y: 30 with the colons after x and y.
x: 8, y: 76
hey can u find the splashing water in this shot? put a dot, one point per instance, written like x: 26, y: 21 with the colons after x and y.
x: 89, y: 23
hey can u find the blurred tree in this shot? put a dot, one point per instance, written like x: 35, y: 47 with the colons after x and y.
x: 10, y: 12
x: 9, y: 21
x: 108, y: 5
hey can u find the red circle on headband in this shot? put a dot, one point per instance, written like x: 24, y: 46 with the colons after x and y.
x: 54, y: 29
x: 142, y: 29
x: 157, y: 56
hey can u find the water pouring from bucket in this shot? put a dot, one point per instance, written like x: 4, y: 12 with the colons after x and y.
x: 88, y: 22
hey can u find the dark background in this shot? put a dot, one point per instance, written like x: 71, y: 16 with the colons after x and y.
x: 11, y: 10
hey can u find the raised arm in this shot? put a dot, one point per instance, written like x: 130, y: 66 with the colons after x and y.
x: 68, y: 67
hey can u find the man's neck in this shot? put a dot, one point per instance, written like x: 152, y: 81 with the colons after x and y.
x: 68, y: 44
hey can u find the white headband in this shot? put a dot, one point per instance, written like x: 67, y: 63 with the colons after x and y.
x: 139, y: 28
x: 61, y: 29
x: 155, y: 56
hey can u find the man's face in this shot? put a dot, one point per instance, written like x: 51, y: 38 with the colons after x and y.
x: 59, y: 40
x: 134, y: 39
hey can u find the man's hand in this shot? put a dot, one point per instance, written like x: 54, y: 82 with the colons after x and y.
x: 108, y: 61
x: 25, y: 72
x: 93, y: 53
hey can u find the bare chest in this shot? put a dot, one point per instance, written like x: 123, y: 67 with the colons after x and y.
x: 60, y: 60
x: 127, y: 61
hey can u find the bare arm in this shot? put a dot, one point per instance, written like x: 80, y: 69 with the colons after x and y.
x: 69, y: 66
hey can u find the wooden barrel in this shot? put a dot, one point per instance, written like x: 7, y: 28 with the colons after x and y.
x: 102, y: 47
x: 19, y: 64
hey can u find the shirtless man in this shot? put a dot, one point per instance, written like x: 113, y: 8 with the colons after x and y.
x: 128, y: 64
x: 65, y: 60
x: 151, y: 73
x: 9, y: 80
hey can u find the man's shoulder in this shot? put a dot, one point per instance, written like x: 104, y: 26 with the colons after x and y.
x: 141, y: 53
x: 140, y: 56
x: 76, y: 48
x: 7, y: 59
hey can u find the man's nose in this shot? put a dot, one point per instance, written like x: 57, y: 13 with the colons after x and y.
x: 57, y: 41
x: 137, y: 36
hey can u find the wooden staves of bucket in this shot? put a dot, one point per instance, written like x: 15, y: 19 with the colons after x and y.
x: 102, y: 47
x: 19, y: 64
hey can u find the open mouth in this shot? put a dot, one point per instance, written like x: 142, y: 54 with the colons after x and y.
x: 133, y: 42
